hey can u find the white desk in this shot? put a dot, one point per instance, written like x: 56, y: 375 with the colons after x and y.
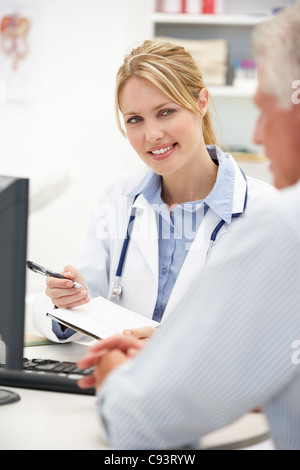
x: 52, y: 421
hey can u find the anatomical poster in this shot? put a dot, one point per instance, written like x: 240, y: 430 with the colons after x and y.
x: 20, y: 38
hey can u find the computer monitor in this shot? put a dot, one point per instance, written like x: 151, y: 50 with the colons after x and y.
x: 13, y: 247
x: 13, y: 244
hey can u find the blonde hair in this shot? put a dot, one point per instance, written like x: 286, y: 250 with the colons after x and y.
x: 171, y: 69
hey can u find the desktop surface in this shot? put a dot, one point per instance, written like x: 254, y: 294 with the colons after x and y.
x: 51, y: 420
x: 45, y: 420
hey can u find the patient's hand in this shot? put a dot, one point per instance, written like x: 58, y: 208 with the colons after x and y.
x: 105, y: 356
x: 62, y: 292
x: 109, y: 362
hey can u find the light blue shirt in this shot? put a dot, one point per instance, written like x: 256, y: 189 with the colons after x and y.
x: 176, y: 232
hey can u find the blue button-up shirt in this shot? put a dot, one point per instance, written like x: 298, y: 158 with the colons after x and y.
x: 176, y: 231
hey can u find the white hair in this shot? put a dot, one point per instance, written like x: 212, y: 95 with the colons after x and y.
x: 276, y: 44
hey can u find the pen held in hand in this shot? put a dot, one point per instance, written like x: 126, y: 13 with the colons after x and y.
x: 47, y: 272
x: 60, y: 276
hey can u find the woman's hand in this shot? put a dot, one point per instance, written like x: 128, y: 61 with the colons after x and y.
x: 62, y: 292
x: 144, y: 332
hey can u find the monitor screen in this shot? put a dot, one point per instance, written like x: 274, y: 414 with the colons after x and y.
x: 13, y: 246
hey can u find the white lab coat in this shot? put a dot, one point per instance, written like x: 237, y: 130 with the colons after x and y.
x: 100, y: 250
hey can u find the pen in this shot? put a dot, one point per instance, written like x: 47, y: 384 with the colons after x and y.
x: 47, y: 272
x: 60, y: 276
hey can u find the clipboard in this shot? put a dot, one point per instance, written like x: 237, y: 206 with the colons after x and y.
x: 73, y: 327
x: 100, y: 318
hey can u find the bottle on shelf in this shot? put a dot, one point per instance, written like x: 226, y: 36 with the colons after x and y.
x: 194, y: 6
x: 244, y: 72
x: 212, y: 7
x: 190, y: 6
x: 169, y: 6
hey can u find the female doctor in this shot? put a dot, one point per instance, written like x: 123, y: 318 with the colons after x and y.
x: 176, y: 215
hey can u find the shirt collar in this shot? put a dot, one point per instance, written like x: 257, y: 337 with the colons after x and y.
x: 150, y: 187
x: 220, y: 199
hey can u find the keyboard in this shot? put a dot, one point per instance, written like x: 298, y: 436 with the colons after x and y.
x: 46, y: 374
x: 68, y: 369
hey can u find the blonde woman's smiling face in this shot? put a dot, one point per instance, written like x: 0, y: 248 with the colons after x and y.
x: 166, y: 136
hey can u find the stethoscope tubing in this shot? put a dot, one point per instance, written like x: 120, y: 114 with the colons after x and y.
x: 117, y: 288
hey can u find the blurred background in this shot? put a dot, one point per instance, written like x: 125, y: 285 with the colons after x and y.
x: 58, y: 62
x: 64, y: 136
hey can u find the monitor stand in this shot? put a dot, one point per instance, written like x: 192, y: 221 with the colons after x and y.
x: 6, y: 397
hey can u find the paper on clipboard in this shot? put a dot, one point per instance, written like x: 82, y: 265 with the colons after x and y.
x: 100, y: 318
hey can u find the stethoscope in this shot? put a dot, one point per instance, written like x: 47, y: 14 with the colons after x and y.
x: 117, y: 286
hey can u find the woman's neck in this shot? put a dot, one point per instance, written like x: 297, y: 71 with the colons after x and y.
x: 190, y: 184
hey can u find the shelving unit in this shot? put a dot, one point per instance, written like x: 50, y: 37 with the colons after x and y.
x: 235, y: 29
x: 230, y: 91
x: 178, y: 18
x: 234, y: 105
x: 235, y: 26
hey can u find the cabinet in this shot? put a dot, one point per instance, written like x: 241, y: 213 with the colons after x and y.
x: 234, y: 103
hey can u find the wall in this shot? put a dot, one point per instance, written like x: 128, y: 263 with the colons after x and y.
x: 67, y: 140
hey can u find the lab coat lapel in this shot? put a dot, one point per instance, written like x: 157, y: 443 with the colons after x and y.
x: 194, y: 261
x: 144, y: 233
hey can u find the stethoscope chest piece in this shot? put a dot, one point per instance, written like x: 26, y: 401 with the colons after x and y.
x: 116, y: 291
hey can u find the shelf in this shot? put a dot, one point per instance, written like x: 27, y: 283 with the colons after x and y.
x: 249, y: 157
x: 178, y: 18
x: 232, y: 91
